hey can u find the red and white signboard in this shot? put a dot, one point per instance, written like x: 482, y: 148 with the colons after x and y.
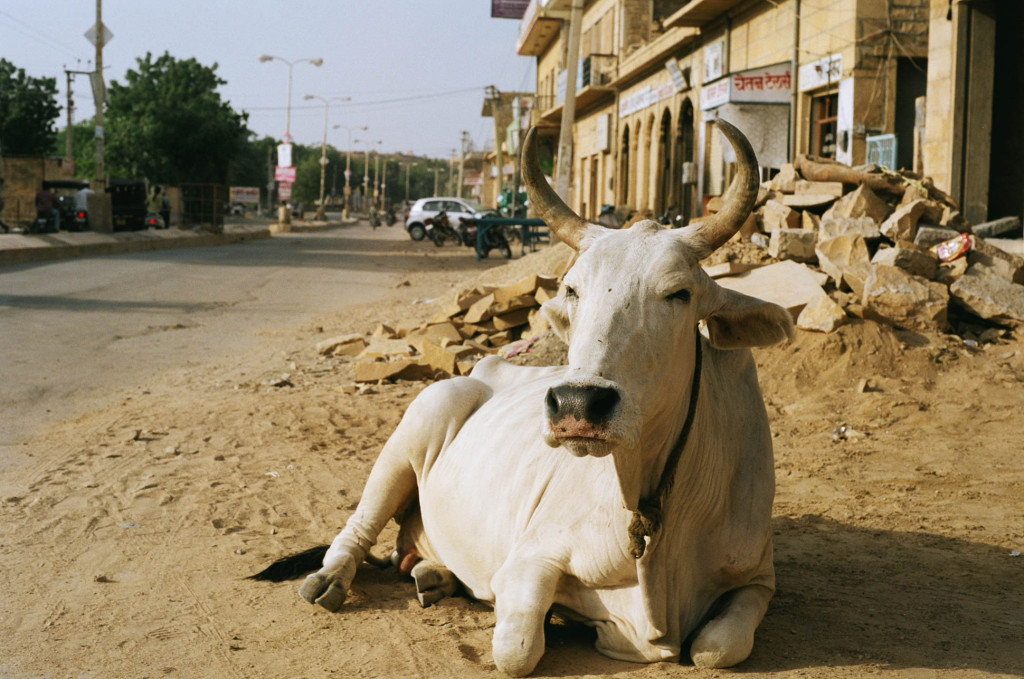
x: 246, y: 195
x: 285, y: 174
x: 284, y: 191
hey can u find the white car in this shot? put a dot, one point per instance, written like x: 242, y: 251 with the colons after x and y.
x: 457, y: 209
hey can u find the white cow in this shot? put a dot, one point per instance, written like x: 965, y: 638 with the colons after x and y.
x: 632, y: 487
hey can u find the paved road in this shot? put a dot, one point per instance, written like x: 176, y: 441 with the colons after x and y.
x: 74, y: 333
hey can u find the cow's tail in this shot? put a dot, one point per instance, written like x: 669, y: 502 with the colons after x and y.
x: 295, y: 566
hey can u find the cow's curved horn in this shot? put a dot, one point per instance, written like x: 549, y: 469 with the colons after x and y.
x: 740, y: 198
x: 559, y: 217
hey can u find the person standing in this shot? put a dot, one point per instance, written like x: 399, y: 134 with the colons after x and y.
x: 46, y: 208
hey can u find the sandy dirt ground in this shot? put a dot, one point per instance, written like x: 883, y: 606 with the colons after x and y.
x: 128, y: 538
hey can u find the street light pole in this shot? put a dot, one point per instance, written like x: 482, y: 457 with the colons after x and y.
x: 321, y: 212
x: 286, y: 217
x: 348, y: 166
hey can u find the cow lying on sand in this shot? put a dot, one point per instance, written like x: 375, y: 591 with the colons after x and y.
x: 632, y: 487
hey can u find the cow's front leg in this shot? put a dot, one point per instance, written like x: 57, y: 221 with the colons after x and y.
x: 431, y: 423
x: 728, y: 638
x: 523, y: 594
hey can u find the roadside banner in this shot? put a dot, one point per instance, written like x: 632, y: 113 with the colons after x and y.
x: 246, y: 195
x: 285, y: 174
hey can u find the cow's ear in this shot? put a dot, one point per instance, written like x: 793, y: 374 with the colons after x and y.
x: 737, y: 320
x: 556, y: 316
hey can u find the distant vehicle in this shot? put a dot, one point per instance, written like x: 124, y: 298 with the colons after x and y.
x: 66, y: 189
x: 128, y: 203
x: 457, y: 209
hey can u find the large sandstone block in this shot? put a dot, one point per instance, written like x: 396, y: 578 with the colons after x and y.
x: 831, y: 227
x: 787, y: 283
x: 785, y: 180
x: 775, y: 215
x: 795, y: 244
x: 996, y: 261
x: 927, y: 236
x: 990, y: 297
x: 897, y: 297
x: 861, y: 202
x: 821, y: 314
x: 911, y: 258
x: 345, y: 345
x: 997, y: 227
x: 902, y: 224
x: 842, y: 254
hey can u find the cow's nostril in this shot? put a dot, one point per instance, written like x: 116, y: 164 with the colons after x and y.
x: 551, y: 401
x: 584, y: 403
x: 600, y: 403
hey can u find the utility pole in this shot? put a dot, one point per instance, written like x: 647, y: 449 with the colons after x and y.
x: 436, y: 170
x: 495, y: 96
x: 451, y: 172
x: 384, y: 187
x: 462, y: 162
x: 572, y: 58
x: 68, y: 134
x: 408, y: 167
x: 101, y: 91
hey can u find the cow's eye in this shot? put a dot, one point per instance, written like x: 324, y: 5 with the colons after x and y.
x: 682, y: 295
x: 570, y: 292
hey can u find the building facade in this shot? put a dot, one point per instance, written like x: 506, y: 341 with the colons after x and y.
x: 842, y: 79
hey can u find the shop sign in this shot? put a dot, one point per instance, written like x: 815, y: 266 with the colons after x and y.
x: 644, y: 97
x: 714, y: 60
x: 679, y: 79
x: 715, y: 94
x: 768, y: 85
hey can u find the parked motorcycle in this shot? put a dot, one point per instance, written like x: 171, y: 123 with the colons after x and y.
x: 439, y: 229
x: 154, y: 221
x: 374, y: 217
x: 494, y: 238
x: 389, y: 217
x: 670, y: 220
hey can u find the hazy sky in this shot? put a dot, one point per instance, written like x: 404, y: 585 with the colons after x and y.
x: 415, y: 70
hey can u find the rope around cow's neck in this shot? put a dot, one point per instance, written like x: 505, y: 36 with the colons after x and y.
x: 647, y: 519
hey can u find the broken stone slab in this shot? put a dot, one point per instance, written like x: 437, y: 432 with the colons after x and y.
x: 727, y: 268
x: 437, y: 357
x: 381, y: 347
x: 514, y: 304
x: 809, y: 221
x: 805, y: 201
x: 383, y: 330
x: 807, y: 187
x: 512, y: 320
x: 997, y: 227
x: 897, y: 297
x: 821, y: 314
x: 439, y: 332
x: 840, y: 254
x: 480, y: 310
x: 902, y: 224
x: 785, y: 179
x: 404, y: 368
x: 861, y: 202
x: 950, y: 272
x: 526, y: 286
x: 831, y: 227
x: 1015, y: 246
x: 775, y: 215
x: 990, y: 297
x: 998, y: 262
x: 544, y: 294
x: 911, y: 258
x: 344, y: 345
x: 789, y: 284
x: 929, y: 235
x: 795, y: 244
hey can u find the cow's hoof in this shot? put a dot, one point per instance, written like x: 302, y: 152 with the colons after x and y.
x: 433, y: 582
x: 319, y: 590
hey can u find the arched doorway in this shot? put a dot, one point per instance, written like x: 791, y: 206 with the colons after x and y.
x: 623, y: 182
x: 684, y: 154
x: 664, y: 199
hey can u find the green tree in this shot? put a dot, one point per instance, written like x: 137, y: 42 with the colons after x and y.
x: 169, y: 124
x: 28, y: 109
